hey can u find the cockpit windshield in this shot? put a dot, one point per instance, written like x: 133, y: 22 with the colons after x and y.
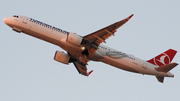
x: 16, y: 16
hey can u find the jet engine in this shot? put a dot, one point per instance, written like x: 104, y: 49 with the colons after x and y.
x: 62, y: 57
x: 73, y: 38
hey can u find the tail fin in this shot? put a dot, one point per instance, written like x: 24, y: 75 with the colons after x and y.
x: 163, y: 62
x: 164, y: 58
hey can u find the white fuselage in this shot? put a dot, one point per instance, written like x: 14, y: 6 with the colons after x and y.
x: 57, y: 36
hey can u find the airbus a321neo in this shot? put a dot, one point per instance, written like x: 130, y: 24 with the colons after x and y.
x: 81, y: 49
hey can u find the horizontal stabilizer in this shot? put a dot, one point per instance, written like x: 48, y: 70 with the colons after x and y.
x: 166, y: 68
x: 160, y: 78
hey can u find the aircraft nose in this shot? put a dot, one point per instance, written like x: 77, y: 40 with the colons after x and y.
x: 5, y: 20
x: 8, y: 21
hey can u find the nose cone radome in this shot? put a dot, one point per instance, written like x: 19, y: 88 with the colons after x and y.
x: 6, y: 21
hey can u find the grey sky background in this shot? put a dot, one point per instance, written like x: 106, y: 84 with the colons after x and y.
x: 29, y: 73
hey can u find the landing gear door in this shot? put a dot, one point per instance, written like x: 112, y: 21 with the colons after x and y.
x: 25, y: 20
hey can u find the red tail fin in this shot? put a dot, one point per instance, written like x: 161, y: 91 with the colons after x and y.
x: 164, y: 58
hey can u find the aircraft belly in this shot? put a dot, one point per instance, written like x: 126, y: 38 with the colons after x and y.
x: 127, y: 65
x: 117, y: 64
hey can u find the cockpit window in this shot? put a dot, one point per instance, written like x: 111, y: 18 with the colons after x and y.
x: 16, y: 16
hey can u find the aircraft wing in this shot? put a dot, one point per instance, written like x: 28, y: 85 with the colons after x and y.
x: 101, y: 35
x: 81, y: 68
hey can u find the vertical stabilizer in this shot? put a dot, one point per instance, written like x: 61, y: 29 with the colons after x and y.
x: 164, y: 58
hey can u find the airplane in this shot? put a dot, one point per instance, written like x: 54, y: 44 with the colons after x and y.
x: 81, y: 49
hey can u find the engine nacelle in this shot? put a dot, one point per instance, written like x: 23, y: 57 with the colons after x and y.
x: 73, y: 38
x: 62, y: 57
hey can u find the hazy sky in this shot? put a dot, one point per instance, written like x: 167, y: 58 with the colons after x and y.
x: 29, y: 73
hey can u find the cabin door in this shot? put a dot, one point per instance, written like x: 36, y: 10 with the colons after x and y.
x: 144, y: 65
x: 25, y: 20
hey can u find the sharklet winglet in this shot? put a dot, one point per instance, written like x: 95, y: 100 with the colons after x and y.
x: 127, y: 19
x: 89, y: 73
